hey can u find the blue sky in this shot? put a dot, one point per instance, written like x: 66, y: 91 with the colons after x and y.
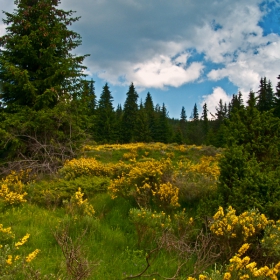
x: 183, y: 51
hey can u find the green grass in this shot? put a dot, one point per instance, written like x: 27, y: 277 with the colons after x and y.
x: 110, y: 241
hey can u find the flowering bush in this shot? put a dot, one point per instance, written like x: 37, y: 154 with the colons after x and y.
x: 242, y: 268
x: 147, y: 181
x: 79, y: 206
x: 11, y: 262
x: 12, y: 190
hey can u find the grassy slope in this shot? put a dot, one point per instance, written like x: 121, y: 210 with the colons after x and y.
x: 110, y: 240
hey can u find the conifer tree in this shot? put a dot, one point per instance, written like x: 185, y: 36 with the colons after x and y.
x: 205, y: 120
x: 250, y: 165
x: 105, y: 117
x: 265, y: 97
x: 150, y: 111
x: 195, y: 115
x: 37, y: 66
x: 142, y: 125
x: 182, y: 130
x: 277, y: 99
x: 130, y: 112
x: 163, y: 130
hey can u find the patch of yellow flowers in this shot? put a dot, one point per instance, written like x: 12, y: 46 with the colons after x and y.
x: 242, y: 268
x: 79, y: 206
x: 8, y: 258
x: 12, y: 188
x: 244, y: 226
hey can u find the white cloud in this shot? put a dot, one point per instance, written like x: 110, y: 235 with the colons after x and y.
x: 162, y: 71
x: 212, y: 100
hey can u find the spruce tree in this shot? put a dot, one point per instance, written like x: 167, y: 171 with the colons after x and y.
x: 205, y: 121
x: 265, y: 97
x: 182, y: 125
x: 277, y: 99
x: 150, y: 111
x: 105, y: 121
x: 142, y: 125
x: 37, y: 64
x: 130, y: 112
x: 250, y: 165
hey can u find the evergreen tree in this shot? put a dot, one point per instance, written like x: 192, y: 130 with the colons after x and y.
x: 183, y: 125
x: 250, y: 166
x: 163, y: 131
x: 43, y: 111
x: 205, y: 121
x: 150, y: 111
x: 105, y: 117
x: 277, y: 99
x: 265, y: 97
x: 130, y: 112
x: 119, y: 115
x: 195, y: 115
x: 251, y: 100
x: 142, y: 125
x: 37, y: 66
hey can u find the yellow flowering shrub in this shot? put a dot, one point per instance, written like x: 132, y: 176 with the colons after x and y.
x: 197, y: 179
x: 91, y: 167
x: 146, y: 181
x: 232, y: 230
x: 79, y: 206
x: 11, y: 262
x: 242, y: 268
x: 12, y: 187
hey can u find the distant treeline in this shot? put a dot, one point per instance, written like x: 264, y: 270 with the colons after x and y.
x: 146, y: 122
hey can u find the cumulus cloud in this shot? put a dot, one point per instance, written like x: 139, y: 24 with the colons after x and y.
x: 158, y: 72
x: 213, y: 99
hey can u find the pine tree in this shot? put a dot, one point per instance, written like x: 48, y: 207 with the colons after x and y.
x: 105, y: 118
x: 205, y: 120
x: 118, y: 116
x: 277, y: 99
x: 130, y: 112
x: 163, y: 130
x: 250, y: 165
x: 37, y: 66
x: 150, y: 110
x: 195, y: 115
x: 183, y: 125
x: 265, y: 96
x: 142, y: 125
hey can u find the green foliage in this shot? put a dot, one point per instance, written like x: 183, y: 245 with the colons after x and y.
x: 129, y: 119
x: 105, y: 121
x: 37, y: 67
x: 52, y: 194
x: 250, y: 166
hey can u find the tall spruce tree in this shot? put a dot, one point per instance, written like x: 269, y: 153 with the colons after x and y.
x: 265, y: 97
x: 205, y: 121
x: 37, y: 65
x: 105, y: 121
x: 130, y: 112
x: 277, y: 99
x: 182, y: 130
x: 41, y: 81
x: 142, y: 125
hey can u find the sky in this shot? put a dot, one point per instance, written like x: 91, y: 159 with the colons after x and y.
x: 182, y: 51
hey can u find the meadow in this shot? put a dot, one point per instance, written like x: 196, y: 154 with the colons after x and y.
x: 131, y: 211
